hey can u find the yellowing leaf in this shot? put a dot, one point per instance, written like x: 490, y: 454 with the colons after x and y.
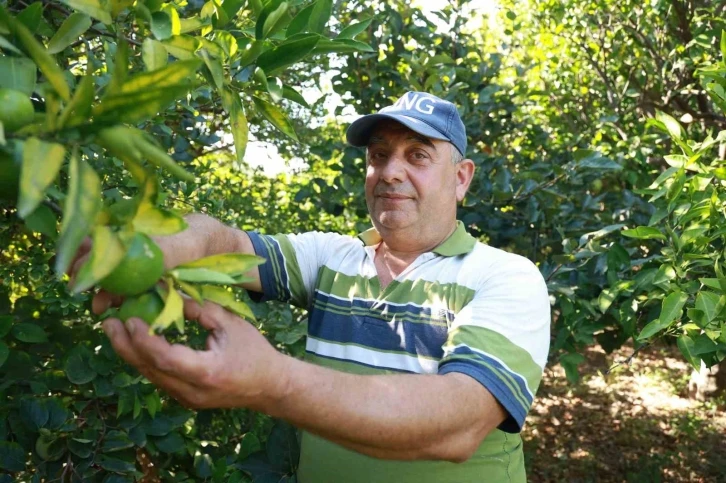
x: 173, y: 312
x: 232, y: 264
x: 237, y: 122
x: 106, y: 253
x: 80, y: 209
x: 276, y: 117
x: 225, y: 298
x: 41, y: 163
x: 151, y: 219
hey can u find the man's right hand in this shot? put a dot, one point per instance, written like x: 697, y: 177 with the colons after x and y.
x: 204, y: 237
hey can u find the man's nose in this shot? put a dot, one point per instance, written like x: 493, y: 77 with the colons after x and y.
x: 394, y: 169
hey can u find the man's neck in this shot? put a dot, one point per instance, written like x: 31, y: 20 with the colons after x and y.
x: 397, y: 251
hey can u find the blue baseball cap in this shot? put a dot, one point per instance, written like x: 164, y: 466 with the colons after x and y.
x: 423, y: 113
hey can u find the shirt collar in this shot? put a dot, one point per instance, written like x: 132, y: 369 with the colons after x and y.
x: 459, y: 243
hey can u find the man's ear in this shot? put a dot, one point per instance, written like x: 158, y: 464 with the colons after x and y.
x: 464, y: 174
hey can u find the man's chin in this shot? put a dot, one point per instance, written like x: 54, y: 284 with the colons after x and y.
x: 393, y: 221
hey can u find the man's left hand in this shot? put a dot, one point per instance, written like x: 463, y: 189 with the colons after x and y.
x: 239, y: 368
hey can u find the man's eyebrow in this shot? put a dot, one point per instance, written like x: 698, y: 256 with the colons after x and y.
x: 376, y: 140
x: 421, y: 139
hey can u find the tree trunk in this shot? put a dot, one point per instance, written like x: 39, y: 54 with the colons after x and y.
x: 707, y: 383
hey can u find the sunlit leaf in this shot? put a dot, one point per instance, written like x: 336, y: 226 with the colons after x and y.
x: 237, y: 122
x: 299, y: 24
x: 79, y: 108
x: 41, y: 163
x: 341, y: 46
x: 154, y: 54
x: 202, y: 275
x: 182, y: 46
x: 673, y: 126
x: 151, y: 219
x: 644, y: 233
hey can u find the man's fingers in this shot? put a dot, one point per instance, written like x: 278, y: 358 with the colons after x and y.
x: 121, y: 342
x: 210, y: 315
x: 80, y: 256
x: 103, y: 300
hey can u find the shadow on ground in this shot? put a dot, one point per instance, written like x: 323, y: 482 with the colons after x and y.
x: 635, y: 425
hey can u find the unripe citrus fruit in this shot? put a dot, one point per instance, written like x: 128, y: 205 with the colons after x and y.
x: 9, y: 177
x: 146, y: 306
x: 139, y: 270
x: 16, y: 110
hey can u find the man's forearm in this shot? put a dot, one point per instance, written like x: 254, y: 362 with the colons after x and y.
x: 404, y: 417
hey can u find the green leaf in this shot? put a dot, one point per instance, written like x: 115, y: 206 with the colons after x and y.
x: 644, y: 233
x: 161, y: 25
x: 191, y: 24
x: 106, y: 253
x: 173, y: 312
x: 355, y: 29
x: 41, y: 163
x: 214, y: 65
x: 320, y: 15
x: 710, y: 304
x: 251, y: 53
x: 341, y: 46
x: 674, y: 127
x: 171, y: 443
x: 30, y: 333
x: 44, y: 221
x: 237, y: 122
x: 671, y: 310
x: 77, y: 367
x: 291, y: 94
x: 275, y: 116
x: 6, y: 323
x: 114, y: 464
x: 94, y: 8
x: 34, y: 413
x: 569, y: 363
x: 12, y: 456
x: 299, y: 24
x: 116, y: 440
x: 270, y: 20
x: 287, y: 53
x: 225, y: 298
x: 158, y: 157
x: 711, y: 282
x: 44, y: 61
x: 4, y: 352
x: 30, y: 16
x: 723, y: 45
x: 686, y: 346
x: 18, y: 73
x: 154, y: 54
x: 72, y: 28
x: 82, y: 204
x: 79, y: 109
x: 7, y: 45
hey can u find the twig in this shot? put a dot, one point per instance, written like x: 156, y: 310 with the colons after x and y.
x: 627, y: 360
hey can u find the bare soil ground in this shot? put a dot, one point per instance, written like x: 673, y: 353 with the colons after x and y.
x: 634, y: 425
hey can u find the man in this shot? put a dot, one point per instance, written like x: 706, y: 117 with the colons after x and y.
x: 425, y: 346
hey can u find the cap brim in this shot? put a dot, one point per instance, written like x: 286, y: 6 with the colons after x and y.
x: 360, y: 131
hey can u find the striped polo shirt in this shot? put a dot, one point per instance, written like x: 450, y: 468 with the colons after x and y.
x: 464, y: 307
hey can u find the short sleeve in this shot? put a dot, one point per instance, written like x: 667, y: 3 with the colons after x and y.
x: 501, y: 338
x: 292, y: 263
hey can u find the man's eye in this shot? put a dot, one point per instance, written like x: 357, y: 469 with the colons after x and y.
x: 419, y: 156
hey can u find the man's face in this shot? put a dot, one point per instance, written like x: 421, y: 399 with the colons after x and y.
x: 411, y: 181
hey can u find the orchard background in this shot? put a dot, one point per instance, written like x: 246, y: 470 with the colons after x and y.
x: 599, y: 133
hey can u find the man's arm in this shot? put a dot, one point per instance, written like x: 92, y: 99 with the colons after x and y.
x: 403, y: 417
